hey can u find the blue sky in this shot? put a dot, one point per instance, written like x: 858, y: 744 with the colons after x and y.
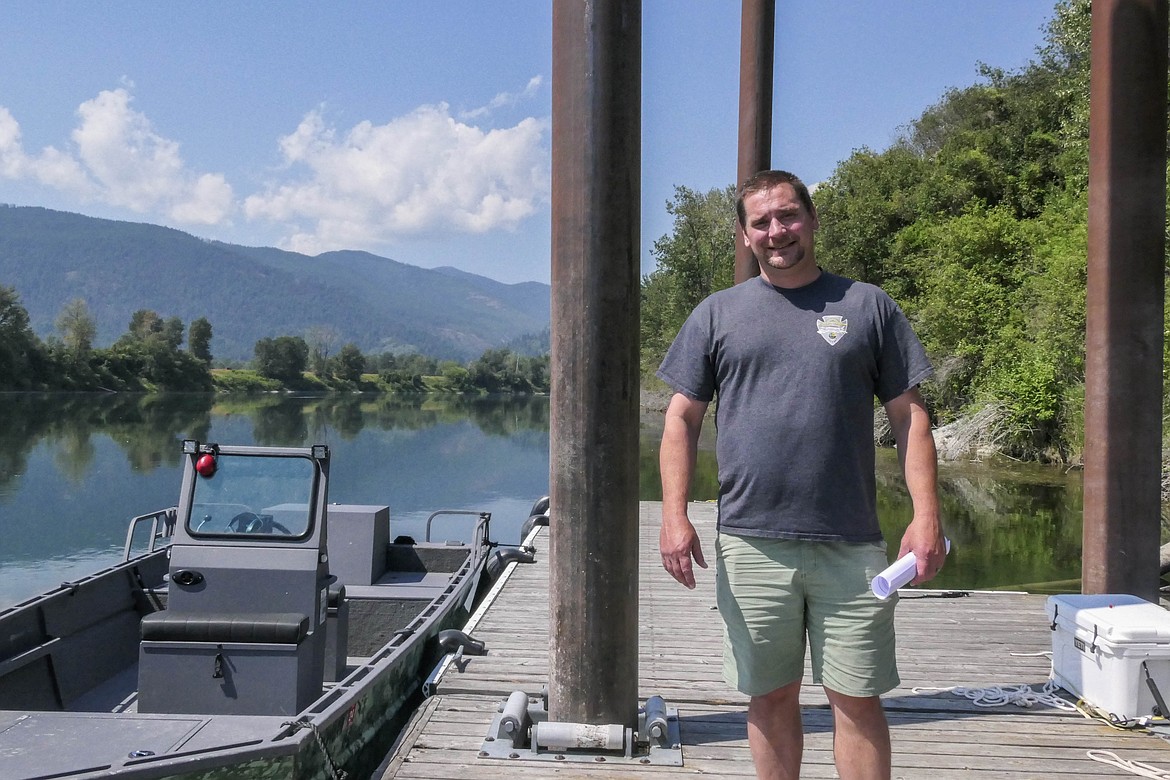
x: 421, y: 131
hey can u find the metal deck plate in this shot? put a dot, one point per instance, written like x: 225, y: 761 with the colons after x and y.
x: 666, y: 752
x: 51, y: 743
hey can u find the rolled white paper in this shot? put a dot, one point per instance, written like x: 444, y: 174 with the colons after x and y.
x: 897, y: 574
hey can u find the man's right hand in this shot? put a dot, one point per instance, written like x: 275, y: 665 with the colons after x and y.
x: 678, y: 543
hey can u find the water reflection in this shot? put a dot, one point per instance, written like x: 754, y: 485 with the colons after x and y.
x: 1011, y: 528
x: 1015, y: 527
x: 142, y: 425
x: 75, y: 468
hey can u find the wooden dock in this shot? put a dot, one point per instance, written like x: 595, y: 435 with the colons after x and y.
x: 980, y: 640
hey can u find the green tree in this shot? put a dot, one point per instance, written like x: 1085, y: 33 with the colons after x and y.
x: 77, y: 328
x: 71, y: 357
x: 283, y: 358
x: 199, y: 339
x: 695, y: 260
x: 501, y: 370
x: 417, y: 364
x: 172, y: 333
x: 321, y: 340
x: 1065, y: 54
x: 404, y: 373
x: 536, y: 371
x: 865, y: 203
x: 148, y: 327
x: 456, y: 377
x: 19, y: 346
x: 350, y: 363
x: 149, y: 356
x: 144, y: 324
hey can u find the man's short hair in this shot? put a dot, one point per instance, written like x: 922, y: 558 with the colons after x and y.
x: 766, y: 180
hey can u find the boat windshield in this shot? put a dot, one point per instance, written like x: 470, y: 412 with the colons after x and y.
x: 254, y: 495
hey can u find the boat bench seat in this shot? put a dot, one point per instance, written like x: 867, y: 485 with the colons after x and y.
x: 285, y: 628
x: 223, y: 663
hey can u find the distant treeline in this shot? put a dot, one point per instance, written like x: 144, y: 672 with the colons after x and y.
x: 151, y: 356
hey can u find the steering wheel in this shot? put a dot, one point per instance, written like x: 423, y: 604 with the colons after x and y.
x: 252, y: 523
x: 274, y: 526
x: 246, y: 523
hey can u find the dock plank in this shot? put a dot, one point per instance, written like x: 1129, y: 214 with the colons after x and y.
x: 976, y: 640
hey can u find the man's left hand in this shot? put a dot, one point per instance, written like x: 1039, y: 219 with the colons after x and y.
x: 924, y: 538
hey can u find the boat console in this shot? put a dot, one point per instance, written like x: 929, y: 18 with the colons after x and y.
x: 244, y: 632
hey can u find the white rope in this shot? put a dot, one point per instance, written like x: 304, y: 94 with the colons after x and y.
x: 1020, y: 695
x: 1138, y: 768
x: 1024, y: 696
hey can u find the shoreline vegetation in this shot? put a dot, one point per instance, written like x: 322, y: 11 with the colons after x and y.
x: 968, y: 439
x: 151, y: 357
x: 974, y: 220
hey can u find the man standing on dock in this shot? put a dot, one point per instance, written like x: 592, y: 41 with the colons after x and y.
x: 796, y: 357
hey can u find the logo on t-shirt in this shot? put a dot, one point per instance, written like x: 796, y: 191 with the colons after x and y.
x: 832, y: 328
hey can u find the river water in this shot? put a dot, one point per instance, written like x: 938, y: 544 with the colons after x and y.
x: 74, y: 468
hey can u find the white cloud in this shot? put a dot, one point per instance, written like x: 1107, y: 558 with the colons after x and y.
x: 422, y: 172
x: 363, y: 188
x: 121, y: 161
x: 209, y: 199
x: 139, y: 169
x: 504, y: 99
x: 51, y: 167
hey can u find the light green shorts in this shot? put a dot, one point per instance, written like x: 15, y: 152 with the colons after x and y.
x: 773, y: 593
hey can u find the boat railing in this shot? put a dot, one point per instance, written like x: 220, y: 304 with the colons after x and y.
x: 483, y: 519
x: 162, y: 526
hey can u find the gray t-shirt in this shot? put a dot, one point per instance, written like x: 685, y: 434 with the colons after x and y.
x: 796, y: 372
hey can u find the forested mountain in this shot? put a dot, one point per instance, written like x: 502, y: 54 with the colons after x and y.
x: 246, y: 293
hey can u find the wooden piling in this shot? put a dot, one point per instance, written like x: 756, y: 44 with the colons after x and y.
x: 1127, y: 259
x: 756, y: 55
x: 596, y: 176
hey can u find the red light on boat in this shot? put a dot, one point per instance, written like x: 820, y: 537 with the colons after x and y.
x: 206, y: 465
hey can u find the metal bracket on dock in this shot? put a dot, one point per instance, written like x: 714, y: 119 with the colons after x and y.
x: 522, y: 731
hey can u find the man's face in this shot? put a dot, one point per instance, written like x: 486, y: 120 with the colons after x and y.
x: 779, y: 231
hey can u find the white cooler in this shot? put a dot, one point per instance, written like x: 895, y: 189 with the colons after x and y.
x: 1107, y: 647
